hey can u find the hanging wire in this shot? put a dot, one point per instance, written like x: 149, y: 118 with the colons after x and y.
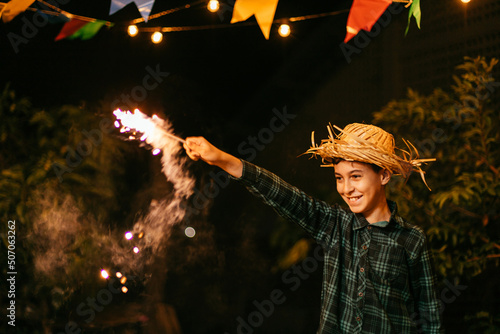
x: 168, y: 11
x: 57, y: 12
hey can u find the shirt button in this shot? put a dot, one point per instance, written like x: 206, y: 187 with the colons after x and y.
x: 369, y: 227
x: 361, y: 294
x: 362, y: 269
x: 358, y: 318
x: 364, y: 247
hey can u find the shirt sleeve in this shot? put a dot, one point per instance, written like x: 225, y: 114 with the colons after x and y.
x: 291, y: 203
x: 423, y: 283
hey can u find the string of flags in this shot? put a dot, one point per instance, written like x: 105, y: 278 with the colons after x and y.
x: 363, y: 14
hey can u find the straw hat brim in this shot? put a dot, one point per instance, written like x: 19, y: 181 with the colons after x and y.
x: 349, y: 146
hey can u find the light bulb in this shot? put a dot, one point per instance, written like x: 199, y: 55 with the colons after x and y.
x: 157, y: 37
x: 284, y: 30
x: 213, y: 6
x: 132, y: 30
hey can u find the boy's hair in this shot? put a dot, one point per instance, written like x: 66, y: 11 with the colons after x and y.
x: 375, y: 168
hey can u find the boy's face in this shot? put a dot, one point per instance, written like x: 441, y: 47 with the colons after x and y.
x: 362, y: 188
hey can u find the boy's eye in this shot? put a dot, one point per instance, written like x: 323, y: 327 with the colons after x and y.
x: 355, y: 176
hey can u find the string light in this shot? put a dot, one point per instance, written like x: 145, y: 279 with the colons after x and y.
x: 284, y: 30
x: 132, y: 30
x: 104, y: 274
x: 465, y: 1
x: 156, y: 37
x: 213, y: 6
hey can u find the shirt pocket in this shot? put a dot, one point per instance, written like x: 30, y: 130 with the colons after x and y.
x: 387, y: 262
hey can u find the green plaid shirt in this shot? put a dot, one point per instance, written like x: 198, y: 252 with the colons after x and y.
x: 378, y: 278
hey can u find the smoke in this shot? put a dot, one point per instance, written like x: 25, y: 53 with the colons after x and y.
x: 54, y: 231
x: 61, y: 232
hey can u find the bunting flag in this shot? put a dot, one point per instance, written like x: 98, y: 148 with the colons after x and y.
x: 88, y: 31
x: 263, y: 10
x: 80, y: 29
x: 415, y: 12
x: 363, y: 15
x: 144, y: 6
x: 14, y: 8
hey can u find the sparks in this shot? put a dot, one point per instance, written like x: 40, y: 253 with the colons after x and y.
x: 152, y: 129
x: 129, y: 235
x: 104, y: 274
x: 136, y: 250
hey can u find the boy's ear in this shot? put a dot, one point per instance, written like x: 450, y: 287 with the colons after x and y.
x: 385, y: 176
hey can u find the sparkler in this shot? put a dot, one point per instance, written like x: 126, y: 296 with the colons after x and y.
x: 151, y: 129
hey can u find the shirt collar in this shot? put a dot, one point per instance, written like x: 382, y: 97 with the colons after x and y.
x: 361, y: 221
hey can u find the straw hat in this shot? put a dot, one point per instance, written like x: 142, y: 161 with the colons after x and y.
x: 370, y: 144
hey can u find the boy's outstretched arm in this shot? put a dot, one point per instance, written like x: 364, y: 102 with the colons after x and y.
x: 199, y: 148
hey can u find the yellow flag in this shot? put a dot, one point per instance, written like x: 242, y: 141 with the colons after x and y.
x: 262, y: 9
x: 14, y: 8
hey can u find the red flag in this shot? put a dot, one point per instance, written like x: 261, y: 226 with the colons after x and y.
x: 70, y: 28
x: 363, y: 15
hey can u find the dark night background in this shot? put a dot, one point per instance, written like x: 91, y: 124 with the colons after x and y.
x: 224, y: 84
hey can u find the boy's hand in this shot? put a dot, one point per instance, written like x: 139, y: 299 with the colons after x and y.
x: 199, y: 148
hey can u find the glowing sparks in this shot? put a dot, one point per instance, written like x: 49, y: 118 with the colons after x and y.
x: 129, y: 235
x: 124, y: 289
x: 149, y: 129
x: 190, y: 232
x: 140, y: 235
x: 118, y: 274
x: 156, y: 151
x: 136, y: 249
x: 104, y: 274
x: 123, y: 280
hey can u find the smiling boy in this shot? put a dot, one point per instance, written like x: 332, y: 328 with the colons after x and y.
x: 378, y: 275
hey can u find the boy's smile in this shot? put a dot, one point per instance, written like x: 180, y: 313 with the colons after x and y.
x: 363, y: 189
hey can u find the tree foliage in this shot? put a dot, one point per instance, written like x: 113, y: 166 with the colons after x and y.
x: 63, y: 213
x: 460, y: 129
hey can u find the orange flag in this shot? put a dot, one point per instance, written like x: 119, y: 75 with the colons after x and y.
x: 263, y: 10
x: 14, y: 8
x: 363, y: 15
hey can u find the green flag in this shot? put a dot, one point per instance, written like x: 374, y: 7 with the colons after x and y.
x: 414, y: 11
x: 88, y: 31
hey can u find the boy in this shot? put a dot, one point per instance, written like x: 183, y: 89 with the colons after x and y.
x: 378, y: 274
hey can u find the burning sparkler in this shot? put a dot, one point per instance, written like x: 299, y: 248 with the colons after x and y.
x: 151, y: 129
